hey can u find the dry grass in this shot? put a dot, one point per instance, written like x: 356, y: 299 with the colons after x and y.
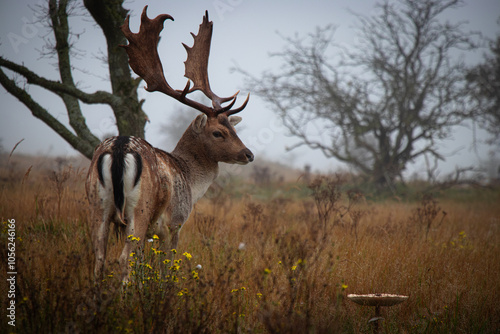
x: 268, y: 266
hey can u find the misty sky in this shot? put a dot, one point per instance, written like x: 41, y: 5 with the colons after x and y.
x: 245, y: 32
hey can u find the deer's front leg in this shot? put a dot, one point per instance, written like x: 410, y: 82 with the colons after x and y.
x: 174, y: 235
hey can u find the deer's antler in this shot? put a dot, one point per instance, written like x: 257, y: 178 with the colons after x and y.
x: 143, y: 56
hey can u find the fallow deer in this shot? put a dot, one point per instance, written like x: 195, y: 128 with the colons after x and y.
x: 148, y: 190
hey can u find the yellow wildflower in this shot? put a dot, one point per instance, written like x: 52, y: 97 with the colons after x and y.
x: 187, y: 255
x: 156, y: 251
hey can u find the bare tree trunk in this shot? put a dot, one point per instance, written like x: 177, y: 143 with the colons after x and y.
x: 123, y: 99
x: 411, y: 93
x: 130, y: 117
x: 59, y: 22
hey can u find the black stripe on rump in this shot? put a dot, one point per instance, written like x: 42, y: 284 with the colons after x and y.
x: 117, y: 169
x: 138, y: 165
x: 99, y: 168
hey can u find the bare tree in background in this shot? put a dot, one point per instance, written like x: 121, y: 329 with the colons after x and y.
x: 382, y: 105
x: 484, y: 80
x: 123, y: 99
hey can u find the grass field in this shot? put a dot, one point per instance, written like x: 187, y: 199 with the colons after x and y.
x: 279, y: 259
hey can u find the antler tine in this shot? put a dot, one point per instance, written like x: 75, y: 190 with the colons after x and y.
x: 196, y: 65
x: 235, y: 111
x: 230, y: 105
x: 144, y: 60
x: 142, y: 50
x: 185, y: 91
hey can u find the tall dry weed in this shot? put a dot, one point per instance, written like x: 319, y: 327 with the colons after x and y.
x: 427, y: 214
x: 265, y: 266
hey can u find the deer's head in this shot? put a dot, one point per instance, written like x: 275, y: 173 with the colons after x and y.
x: 217, y: 138
x: 211, y: 133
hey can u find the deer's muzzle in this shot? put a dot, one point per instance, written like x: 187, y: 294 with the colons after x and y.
x: 245, y: 156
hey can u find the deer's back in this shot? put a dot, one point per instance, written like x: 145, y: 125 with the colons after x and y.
x: 128, y: 171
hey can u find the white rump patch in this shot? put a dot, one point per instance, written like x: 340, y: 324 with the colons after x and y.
x: 106, y: 192
x: 131, y: 193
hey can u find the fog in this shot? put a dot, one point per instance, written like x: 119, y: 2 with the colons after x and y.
x: 245, y: 33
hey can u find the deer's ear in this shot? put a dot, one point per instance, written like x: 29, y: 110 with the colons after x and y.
x: 233, y: 120
x: 199, y: 123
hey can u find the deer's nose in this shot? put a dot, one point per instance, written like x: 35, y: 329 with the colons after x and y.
x: 249, y: 155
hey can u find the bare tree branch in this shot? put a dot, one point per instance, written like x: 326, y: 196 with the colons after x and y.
x: 39, y: 112
x: 59, y: 88
x: 109, y: 15
x: 59, y: 18
x: 484, y: 82
x: 382, y: 105
x: 130, y: 118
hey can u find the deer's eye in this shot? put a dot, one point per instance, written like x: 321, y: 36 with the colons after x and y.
x: 217, y: 134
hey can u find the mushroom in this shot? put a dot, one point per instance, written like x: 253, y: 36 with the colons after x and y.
x: 377, y: 300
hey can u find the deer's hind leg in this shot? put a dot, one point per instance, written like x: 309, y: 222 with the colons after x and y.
x: 101, y: 219
x: 135, y: 236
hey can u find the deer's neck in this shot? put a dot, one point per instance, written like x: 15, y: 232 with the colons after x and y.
x: 198, y: 167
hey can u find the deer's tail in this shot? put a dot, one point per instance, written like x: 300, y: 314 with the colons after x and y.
x: 121, y: 168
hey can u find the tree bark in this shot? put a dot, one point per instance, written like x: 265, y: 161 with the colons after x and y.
x: 84, y: 147
x: 109, y: 15
x: 59, y: 19
x: 123, y: 100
